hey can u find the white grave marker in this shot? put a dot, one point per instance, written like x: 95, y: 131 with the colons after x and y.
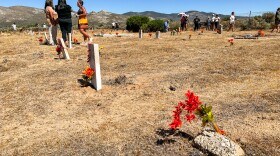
x: 70, y: 41
x: 94, y: 62
x: 140, y: 33
x: 158, y: 35
x: 64, y: 50
x: 47, y: 41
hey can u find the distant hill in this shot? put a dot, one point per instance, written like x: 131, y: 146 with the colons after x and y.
x: 28, y: 16
x: 172, y: 16
x: 21, y: 15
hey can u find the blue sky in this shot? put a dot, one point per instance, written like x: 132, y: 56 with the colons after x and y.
x: 163, y: 6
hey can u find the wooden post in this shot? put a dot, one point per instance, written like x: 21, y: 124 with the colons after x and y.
x: 94, y: 62
x: 140, y: 33
x: 158, y: 35
x: 64, y: 50
x: 70, y: 41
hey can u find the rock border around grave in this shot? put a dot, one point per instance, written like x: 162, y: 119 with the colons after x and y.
x: 216, y: 144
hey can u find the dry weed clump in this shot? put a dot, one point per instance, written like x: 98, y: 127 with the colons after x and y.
x: 44, y: 110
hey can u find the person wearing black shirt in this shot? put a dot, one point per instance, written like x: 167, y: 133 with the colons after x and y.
x: 277, y: 21
x: 64, y: 17
x: 196, y: 23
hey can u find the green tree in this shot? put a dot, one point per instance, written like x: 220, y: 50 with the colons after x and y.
x: 135, y: 22
x: 156, y: 25
x: 269, y: 17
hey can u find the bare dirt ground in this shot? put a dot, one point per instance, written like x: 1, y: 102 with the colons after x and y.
x: 44, y: 111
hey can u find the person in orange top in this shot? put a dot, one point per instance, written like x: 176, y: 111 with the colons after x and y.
x: 83, y: 23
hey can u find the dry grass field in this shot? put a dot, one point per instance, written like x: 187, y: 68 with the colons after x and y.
x: 45, y: 111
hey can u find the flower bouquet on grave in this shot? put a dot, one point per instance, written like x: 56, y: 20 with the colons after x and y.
x: 150, y: 34
x: 231, y: 41
x: 117, y: 33
x: 75, y: 41
x: 202, y: 30
x: 58, y: 49
x: 87, y: 76
x: 261, y: 33
x: 100, y: 48
x: 194, y: 107
x: 41, y: 40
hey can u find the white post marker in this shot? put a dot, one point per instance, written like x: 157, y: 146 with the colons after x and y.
x: 94, y: 62
x: 220, y: 28
x: 70, y: 41
x: 47, y: 41
x: 140, y: 33
x: 64, y: 50
x: 158, y: 35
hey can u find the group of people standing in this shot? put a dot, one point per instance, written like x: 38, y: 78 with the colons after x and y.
x: 211, y: 24
x: 61, y: 15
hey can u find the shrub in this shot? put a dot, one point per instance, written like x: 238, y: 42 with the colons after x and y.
x: 156, y: 25
x: 269, y: 17
x: 174, y: 25
x: 145, y: 27
x: 135, y: 22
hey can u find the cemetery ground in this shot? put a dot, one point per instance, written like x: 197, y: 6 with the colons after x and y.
x: 45, y: 111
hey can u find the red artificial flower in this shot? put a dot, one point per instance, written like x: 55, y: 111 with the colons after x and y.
x: 190, y: 117
x: 192, y: 103
x: 58, y: 49
x: 88, y: 72
x: 175, y: 124
x: 176, y: 117
x: 41, y: 39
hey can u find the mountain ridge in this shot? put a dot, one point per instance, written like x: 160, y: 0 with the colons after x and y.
x: 30, y: 16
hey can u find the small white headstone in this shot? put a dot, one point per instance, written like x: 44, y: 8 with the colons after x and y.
x: 70, y: 41
x: 140, y: 33
x: 94, y: 62
x: 220, y: 28
x: 157, y: 34
x: 64, y: 50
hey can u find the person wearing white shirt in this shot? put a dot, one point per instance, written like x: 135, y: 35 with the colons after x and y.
x: 113, y: 25
x: 231, y: 22
x: 217, y: 21
x: 213, y: 22
x: 14, y: 26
